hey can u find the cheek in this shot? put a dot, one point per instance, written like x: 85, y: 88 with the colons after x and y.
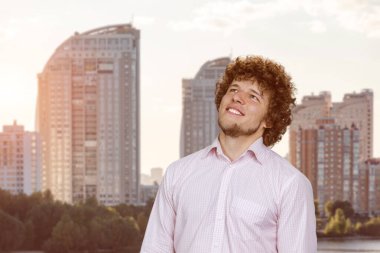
x: 223, y: 102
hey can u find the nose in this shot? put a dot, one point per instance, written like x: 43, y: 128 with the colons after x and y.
x: 238, y: 97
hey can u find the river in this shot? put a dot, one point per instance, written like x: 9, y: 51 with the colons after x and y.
x: 348, y: 245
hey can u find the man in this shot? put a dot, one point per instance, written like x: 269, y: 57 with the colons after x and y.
x: 237, y: 195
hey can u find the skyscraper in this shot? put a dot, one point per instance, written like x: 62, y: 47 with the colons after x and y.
x: 305, y: 116
x: 370, y: 186
x: 20, y: 160
x: 326, y: 143
x: 356, y: 108
x: 199, y: 125
x: 88, y: 116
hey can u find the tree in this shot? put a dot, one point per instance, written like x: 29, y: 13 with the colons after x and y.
x: 345, y: 206
x: 44, y: 217
x: 120, y: 233
x: 124, y: 210
x: 316, y: 207
x: 348, y: 229
x: 29, y: 236
x: 338, y: 225
x: 96, y: 235
x: 5, y: 200
x: 149, y: 206
x: 358, y: 227
x: 67, y: 236
x: 12, y: 232
x: 142, y: 222
x: 329, y: 209
x: 371, y: 227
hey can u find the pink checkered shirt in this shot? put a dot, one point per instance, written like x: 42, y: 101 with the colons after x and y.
x: 208, y: 204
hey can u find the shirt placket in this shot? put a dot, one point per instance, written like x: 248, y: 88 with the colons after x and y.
x: 217, y: 239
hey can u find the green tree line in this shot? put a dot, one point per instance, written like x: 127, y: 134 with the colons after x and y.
x: 38, y: 222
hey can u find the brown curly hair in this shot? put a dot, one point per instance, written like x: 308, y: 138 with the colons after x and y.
x: 270, y: 77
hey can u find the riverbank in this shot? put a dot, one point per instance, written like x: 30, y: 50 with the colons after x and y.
x: 348, y: 238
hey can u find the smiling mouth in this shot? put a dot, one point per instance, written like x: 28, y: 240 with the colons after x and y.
x: 235, y: 112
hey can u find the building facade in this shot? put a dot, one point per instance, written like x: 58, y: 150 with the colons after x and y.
x: 199, y: 126
x: 370, y: 187
x: 20, y: 160
x: 88, y: 116
x: 328, y: 141
x: 356, y: 108
x: 329, y: 157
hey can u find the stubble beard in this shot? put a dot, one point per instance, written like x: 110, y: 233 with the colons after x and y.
x: 235, y: 131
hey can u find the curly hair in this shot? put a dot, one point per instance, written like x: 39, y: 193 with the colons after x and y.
x: 271, y: 77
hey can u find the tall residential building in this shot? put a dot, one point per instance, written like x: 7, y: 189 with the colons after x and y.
x: 330, y: 156
x: 20, y: 160
x: 304, y: 116
x: 199, y: 126
x: 370, y: 186
x: 356, y: 108
x: 88, y: 116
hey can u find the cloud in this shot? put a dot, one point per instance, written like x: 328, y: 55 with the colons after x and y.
x: 317, y: 26
x: 229, y: 16
x: 140, y: 21
x: 12, y: 28
x: 355, y: 15
x: 6, y: 33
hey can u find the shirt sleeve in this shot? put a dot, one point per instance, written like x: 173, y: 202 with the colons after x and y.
x: 160, y: 229
x: 296, y: 232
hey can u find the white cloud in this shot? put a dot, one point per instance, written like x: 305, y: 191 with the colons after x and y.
x: 229, y: 16
x: 317, y: 26
x: 7, y: 33
x: 140, y: 21
x: 356, y: 15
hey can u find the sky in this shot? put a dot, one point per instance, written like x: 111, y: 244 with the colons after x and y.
x: 325, y: 45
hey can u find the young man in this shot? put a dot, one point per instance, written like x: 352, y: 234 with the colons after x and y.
x: 237, y: 195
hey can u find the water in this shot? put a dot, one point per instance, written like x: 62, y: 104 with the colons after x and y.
x: 349, y: 245
x: 324, y: 246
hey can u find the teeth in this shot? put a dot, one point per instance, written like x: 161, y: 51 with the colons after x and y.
x: 234, y: 111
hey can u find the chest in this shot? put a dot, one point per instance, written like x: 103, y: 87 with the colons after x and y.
x: 227, y: 192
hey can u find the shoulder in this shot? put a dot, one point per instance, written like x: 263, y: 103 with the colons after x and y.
x: 181, y: 167
x: 285, y: 173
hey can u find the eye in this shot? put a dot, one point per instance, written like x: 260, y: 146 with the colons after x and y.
x: 254, y: 97
x: 233, y: 90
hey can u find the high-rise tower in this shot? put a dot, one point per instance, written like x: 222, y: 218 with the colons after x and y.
x: 329, y: 140
x: 20, y: 160
x: 88, y: 116
x: 199, y: 125
x: 356, y: 108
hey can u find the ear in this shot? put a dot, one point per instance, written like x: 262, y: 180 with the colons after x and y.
x: 267, y: 123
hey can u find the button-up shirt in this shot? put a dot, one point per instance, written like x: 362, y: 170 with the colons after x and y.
x: 207, y: 203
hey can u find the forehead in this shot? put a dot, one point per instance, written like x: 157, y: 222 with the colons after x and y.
x: 248, y: 83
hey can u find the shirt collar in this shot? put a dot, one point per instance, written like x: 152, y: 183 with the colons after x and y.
x: 257, y: 148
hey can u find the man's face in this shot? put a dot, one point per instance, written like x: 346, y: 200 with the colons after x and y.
x: 243, y: 109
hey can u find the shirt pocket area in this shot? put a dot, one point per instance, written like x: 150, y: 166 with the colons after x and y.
x: 248, y: 219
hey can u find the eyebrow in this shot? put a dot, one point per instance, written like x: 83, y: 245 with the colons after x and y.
x: 254, y: 91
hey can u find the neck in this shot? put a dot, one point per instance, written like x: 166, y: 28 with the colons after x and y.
x: 234, y: 147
